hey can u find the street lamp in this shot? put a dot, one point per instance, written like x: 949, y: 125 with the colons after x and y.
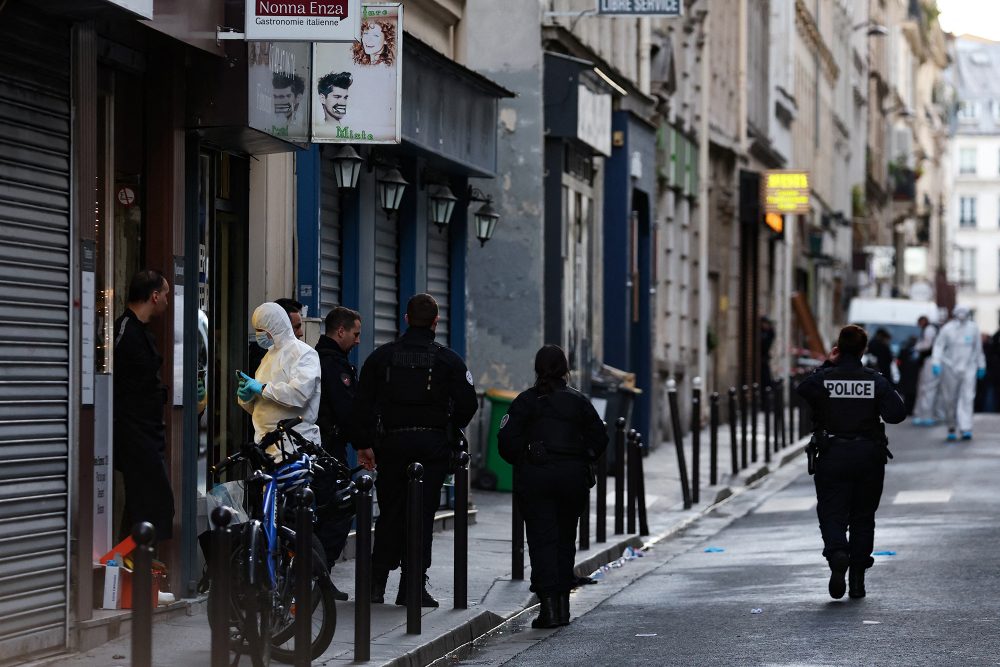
x: 440, y: 205
x: 347, y: 167
x: 391, y: 186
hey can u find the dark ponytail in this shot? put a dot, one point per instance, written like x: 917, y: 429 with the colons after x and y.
x: 551, y: 369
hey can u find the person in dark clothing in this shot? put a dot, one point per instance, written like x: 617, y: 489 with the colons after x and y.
x: 879, y: 348
x: 909, y: 373
x: 767, y: 336
x: 414, y: 395
x: 340, y: 384
x: 551, y: 434
x: 256, y: 352
x: 849, y: 403
x: 139, y: 397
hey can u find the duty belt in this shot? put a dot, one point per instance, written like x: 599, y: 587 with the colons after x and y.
x: 417, y: 429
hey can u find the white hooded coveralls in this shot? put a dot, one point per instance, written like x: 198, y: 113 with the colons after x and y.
x: 291, y: 374
x: 958, y: 350
x: 927, y: 406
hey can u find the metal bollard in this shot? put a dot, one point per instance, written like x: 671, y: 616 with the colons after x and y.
x: 696, y: 440
x: 780, y: 432
x: 517, y: 537
x: 585, y: 524
x: 744, y: 400
x: 142, y: 595
x: 631, y: 499
x: 363, y: 570
x: 602, y: 498
x: 414, y: 548
x: 220, y: 591
x: 767, y: 424
x: 733, y: 441
x: 303, y: 578
x: 754, y: 412
x: 462, y: 531
x: 640, y: 486
x: 620, y: 476
x: 675, y: 424
x: 713, y: 439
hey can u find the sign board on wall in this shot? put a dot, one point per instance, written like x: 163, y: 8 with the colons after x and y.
x: 303, y: 20
x: 640, y: 7
x: 786, y: 192
x: 279, y: 74
x: 594, y: 119
x: 141, y: 8
x: 357, y: 87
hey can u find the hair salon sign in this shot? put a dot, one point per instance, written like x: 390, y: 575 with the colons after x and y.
x: 305, y: 21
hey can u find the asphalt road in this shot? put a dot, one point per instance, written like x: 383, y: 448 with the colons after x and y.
x: 762, y: 600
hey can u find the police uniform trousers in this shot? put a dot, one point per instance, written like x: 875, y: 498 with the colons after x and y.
x: 138, y: 446
x: 552, y: 496
x: 393, y: 456
x: 331, y: 531
x: 849, y: 477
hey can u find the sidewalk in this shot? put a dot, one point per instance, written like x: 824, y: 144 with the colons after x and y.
x: 493, y: 596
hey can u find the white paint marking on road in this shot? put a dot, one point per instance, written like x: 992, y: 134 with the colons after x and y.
x: 775, y: 505
x: 927, y: 496
x: 872, y: 622
x: 646, y: 634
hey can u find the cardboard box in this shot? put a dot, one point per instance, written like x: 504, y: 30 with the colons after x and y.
x: 112, y: 587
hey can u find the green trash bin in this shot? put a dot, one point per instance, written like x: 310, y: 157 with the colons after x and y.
x: 499, y: 400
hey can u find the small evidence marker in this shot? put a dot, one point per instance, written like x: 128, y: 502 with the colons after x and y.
x: 714, y: 550
x: 884, y: 553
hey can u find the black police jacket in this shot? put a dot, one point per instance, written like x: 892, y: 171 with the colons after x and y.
x: 563, y: 423
x: 139, y: 393
x: 413, y: 382
x: 339, y: 388
x: 849, y: 400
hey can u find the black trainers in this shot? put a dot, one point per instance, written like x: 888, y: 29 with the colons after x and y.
x: 839, y: 562
x: 856, y: 578
x: 338, y: 594
x: 426, y: 599
x: 379, y: 580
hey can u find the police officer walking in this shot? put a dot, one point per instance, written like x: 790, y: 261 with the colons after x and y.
x: 847, y: 402
x: 551, y: 434
x: 413, y: 396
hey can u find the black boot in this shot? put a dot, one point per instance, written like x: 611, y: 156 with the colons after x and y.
x: 379, y: 579
x: 562, y: 609
x: 426, y: 599
x: 338, y: 594
x: 547, y: 616
x: 839, y: 562
x: 857, y: 581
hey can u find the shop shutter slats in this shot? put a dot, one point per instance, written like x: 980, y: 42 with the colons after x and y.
x: 386, y: 279
x: 330, y: 237
x: 34, y: 329
x: 439, y: 278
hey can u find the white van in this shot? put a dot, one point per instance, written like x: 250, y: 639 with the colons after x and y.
x: 897, y: 316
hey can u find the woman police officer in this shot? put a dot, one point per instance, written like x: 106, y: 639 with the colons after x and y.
x: 551, y: 434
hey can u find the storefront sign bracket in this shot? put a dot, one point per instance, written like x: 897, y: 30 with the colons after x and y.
x: 223, y: 34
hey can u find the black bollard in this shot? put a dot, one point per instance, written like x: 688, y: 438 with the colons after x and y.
x: 675, y: 425
x: 303, y: 578
x: 696, y: 441
x: 793, y: 435
x: 733, y: 440
x: 713, y: 439
x: 363, y: 571
x: 219, y: 592
x: 633, y: 485
x: 585, y: 524
x: 517, y: 537
x: 602, y: 498
x: 462, y: 531
x: 640, y: 486
x: 744, y: 406
x: 767, y: 424
x: 414, y: 548
x: 779, y: 413
x: 620, y: 476
x: 754, y: 413
x: 142, y: 595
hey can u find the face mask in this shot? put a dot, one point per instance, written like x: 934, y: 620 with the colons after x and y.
x: 264, y: 341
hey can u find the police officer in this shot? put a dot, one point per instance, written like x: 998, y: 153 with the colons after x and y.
x: 551, y: 434
x: 413, y: 395
x: 847, y: 401
x: 339, y: 387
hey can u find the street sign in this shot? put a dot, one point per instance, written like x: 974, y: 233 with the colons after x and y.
x: 640, y: 7
x: 305, y: 21
x: 786, y: 192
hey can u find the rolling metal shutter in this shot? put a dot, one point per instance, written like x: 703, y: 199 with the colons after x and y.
x: 386, y: 278
x: 439, y: 277
x: 329, y: 239
x: 34, y: 330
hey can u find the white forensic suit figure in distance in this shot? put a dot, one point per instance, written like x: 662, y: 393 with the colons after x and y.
x: 927, y: 411
x: 959, y: 360
x: 287, y: 382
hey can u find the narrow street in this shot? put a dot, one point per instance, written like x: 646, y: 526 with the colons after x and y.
x: 932, y: 599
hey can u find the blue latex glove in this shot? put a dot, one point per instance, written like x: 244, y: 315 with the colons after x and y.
x: 936, y: 370
x: 249, y: 388
x: 980, y: 373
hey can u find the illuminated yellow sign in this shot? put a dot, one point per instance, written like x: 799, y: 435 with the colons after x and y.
x: 775, y: 221
x: 786, y: 193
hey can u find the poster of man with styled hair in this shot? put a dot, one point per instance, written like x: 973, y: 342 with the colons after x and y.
x: 278, y: 75
x: 357, y: 86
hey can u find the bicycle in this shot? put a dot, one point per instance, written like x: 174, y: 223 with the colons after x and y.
x: 263, y: 604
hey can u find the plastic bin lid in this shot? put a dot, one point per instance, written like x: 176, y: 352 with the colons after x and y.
x: 501, y: 395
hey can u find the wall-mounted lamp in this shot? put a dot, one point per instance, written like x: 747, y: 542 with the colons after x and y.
x: 486, y: 217
x: 347, y: 167
x: 391, y: 186
x: 440, y: 205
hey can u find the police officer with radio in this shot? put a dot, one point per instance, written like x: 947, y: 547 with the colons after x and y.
x: 849, y: 403
x: 413, y: 396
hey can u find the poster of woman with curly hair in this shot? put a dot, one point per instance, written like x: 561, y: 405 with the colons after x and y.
x: 358, y: 85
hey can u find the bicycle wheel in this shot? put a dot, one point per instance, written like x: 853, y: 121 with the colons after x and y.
x: 253, y: 599
x: 324, y: 617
